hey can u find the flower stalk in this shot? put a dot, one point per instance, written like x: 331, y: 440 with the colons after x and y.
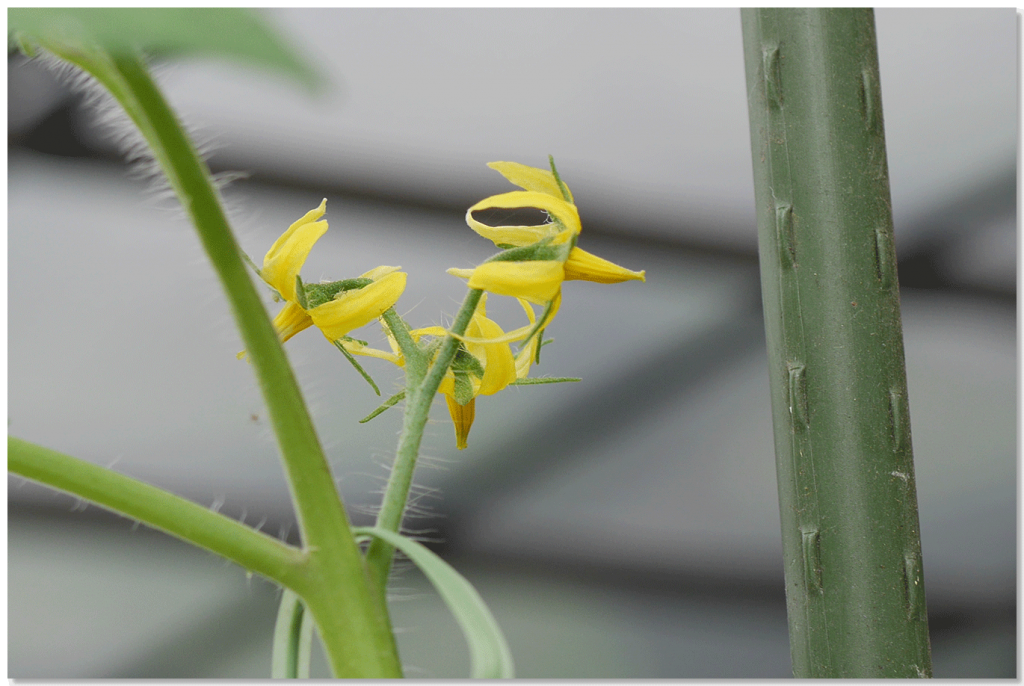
x: 421, y: 387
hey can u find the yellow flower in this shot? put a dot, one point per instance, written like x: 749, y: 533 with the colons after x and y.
x: 479, y: 368
x: 547, y: 254
x: 335, y: 308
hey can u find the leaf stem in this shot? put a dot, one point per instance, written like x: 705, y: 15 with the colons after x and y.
x: 159, y: 509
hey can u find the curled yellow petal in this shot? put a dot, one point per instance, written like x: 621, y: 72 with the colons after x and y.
x: 499, y: 364
x: 462, y: 418
x: 530, y: 178
x: 536, y: 281
x: 429, y: 331
x: 523, y: 331
x: 584, y: 266
x: 357, y: 348
x: 286, y: 256
x: 356, y: 308
x: 291, y: 320
x: 557, y: 208
x: 378, y: 273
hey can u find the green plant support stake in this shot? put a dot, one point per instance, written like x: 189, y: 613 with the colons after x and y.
x: 854, y: 583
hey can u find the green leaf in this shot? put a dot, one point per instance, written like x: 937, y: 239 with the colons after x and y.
x: 488, y: 651
x: 235, y: 33
x: 293, y: 639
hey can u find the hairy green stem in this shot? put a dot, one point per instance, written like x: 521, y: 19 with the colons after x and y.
x: 851, y: 541
x: 159, y: 509
x: 352, y: 620
x: 419, y: 397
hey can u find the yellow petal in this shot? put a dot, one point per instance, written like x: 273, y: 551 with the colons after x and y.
x: 537, y: 281
x: 524, y: 235
x: 523, y: 331
x: 429, y: 331
x: 498, y: 362
x: 461, y: 273
x: 357, y: 348
x: 291, y: 320
x: 462, y: 417
x: 284, y: 260
x: 530, y: 178
x: 356, y: 308
x: 378, y: 273
x: 584, y: 266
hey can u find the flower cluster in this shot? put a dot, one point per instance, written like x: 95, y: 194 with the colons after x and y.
x: 534, y: 262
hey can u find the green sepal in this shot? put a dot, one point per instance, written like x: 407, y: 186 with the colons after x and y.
x: 542, y: 250
x: 463, y: 387
x: 462, y: 366
x: 389, y: 403
x: 544, y: 379
x: 319, y: 293
x: 252, y: 265
x: 465, y: 362
x: 558, y: 179
x: 537, y: 329
x: 433, y: 347
x: 300, y: 293
x: 338, y: 344
x: 540, y: 344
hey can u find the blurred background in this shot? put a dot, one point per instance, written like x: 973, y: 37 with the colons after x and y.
x: 625, y: 526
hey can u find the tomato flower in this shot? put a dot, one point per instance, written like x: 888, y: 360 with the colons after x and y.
x: 536, y: 259
x: 337, y: 307
x: 479, y: 368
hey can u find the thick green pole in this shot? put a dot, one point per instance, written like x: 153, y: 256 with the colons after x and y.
x: 854, y: 583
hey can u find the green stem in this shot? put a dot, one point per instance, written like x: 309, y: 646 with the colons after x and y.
x: 854, y: 585
x: 415, y: 358
x: 352, y: 620
x: 159, y: 509
x: 419, y: 397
